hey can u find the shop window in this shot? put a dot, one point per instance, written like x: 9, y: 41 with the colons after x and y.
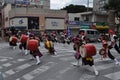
x: 76, y: 19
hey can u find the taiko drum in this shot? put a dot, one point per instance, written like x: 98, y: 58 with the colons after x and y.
x: 89, y: 50
x: 13, y: 39
x: 24, y: 38
x: 32, y: 44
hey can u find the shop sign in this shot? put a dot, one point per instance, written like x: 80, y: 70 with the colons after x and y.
x: 102, y: 27
x: 74, y: 22
x: 54, y: 23
x: 22, y: 1
x: 84, y: 27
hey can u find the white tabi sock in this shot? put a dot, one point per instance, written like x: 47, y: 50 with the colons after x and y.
x: 116, y: 61
x: 96, y: 72
x: 55, y: 53
x: 26, y: 52
x: 14, y: 47
x: 77, y: 62
x: 38, y: 60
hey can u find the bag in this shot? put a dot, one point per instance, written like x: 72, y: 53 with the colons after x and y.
x: 77, y: 55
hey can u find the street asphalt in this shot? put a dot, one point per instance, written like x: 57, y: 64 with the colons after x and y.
x: 14, y: 65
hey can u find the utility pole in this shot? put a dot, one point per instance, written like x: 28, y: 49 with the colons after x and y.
x: 2, y: 17
x: 87, y: 5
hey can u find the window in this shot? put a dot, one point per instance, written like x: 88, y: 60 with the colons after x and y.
x: 76, y: 19
x: 81, y: 31
x: 90, y: 32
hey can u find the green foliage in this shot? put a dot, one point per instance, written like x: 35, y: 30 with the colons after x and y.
x: 113, y: 5
x: 75, y: 8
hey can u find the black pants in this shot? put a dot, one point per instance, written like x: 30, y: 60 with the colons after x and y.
x: 88, y: 61
x: 36, y: 53
x: 12, y: 43
x: 23, y: 45
x: 117, y: 48
x: 110, y: 55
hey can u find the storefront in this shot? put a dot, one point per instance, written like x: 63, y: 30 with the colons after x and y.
x: 102, y: 27
x: 43, y: 20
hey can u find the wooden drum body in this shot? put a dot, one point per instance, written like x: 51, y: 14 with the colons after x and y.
x: 102, y: 51
x: 32, y: 44
x: 24, y: 38
x: 88, y: 50
x: 13, y: 39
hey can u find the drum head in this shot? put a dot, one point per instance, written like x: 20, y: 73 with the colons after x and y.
x: 101, y: 51
x: 83, y: 52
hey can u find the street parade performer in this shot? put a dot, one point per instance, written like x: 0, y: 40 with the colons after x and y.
x: 50, y: 46
x: 13, y: 41
x: 32, y: 45
x: 105, y: 51
x: 114, y: 40
x: 76, y: 40
x: 23, y: 42
x: 87, y: 51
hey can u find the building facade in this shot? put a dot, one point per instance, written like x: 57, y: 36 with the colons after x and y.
x: 45, y: 4
x: 98, y: 5
x: 112, y: 21
x: 87, y: 20
x: 41, y: 19
x: 23, y: 14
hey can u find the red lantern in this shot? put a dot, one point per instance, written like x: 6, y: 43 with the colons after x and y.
x: 32, y: 44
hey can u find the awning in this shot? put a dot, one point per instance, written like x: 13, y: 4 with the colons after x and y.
x: 85, y: 27
x: 20, y: 27
x: 102, y: 27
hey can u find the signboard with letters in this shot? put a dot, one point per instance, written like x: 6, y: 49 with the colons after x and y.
x: 19, y: 22
x: 31, y: 2
x: 55, y: 23
x: 22, y: 1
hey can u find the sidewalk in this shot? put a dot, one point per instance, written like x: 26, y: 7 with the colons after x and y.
x: 3, y: 43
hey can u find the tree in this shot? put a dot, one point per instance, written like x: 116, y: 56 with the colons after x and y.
x: 75, y: 8
x: 113, y: 9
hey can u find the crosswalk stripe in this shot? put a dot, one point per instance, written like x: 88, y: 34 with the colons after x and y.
x: 86, y: 77
x: 67, y: 58
x: 3, y: 60
x: 65, y: 70
x: 38, y: 71
x: 113, y: 76
x: 7, y: 64
x: 1, y: 67
x: 3, y: 57
x: 105, y: 66
x: 17, y: 69
x: 62, y: 55
x: 10, y: 63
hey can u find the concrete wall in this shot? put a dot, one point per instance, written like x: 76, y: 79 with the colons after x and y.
x: 43, y: 14
x: 73, y: 15
x: 6, y: 14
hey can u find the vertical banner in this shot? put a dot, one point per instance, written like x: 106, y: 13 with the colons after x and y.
x: 68, y: 32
